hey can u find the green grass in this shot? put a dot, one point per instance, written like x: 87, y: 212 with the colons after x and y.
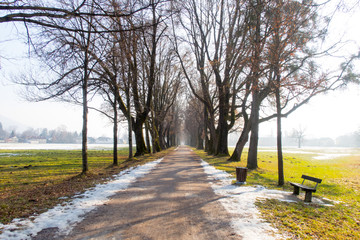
x: 48, y: 165
x: 341, y: 182
x: 31, y: 181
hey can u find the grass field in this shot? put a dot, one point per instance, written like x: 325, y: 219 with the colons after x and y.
x: 32, y: 181
x: 341, y: 186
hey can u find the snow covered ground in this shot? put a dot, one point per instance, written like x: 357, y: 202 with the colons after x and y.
x: 240, y: 201
x: 66, y: 215
x: 320, y: 153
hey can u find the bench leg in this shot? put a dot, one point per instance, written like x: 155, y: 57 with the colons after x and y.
x: 296, y: 190
x: 308, y: 196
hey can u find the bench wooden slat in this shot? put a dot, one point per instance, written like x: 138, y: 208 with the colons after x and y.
x: 303, y: 186
x: 318, y: 180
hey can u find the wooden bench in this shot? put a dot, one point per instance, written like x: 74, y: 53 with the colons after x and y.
x: 308, y: 190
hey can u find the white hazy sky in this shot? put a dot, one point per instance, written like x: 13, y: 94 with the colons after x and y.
x: 329, y: 115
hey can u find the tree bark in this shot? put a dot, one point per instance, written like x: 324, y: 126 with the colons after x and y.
x: 147, y: 136
x: 200, y: 140
x: 255, y: 104
x: 139, y: 138
x: 161, y: 136
x: 213, y: 135
x: 277, y: 79
x: 222, y: 139
x: 156, y: 142
x: 115, y: 134
x: 84, y: 153
x: 244, y: 137
x: 254, y: 138
x: 206, y: 139
x: 129, y: 118
x: 279, y: 140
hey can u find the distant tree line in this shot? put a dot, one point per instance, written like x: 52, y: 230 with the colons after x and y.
x: 60, y: 135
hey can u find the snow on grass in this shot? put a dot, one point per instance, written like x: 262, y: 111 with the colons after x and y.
x: 65, y: 216
x: 322, y: 153
x: 13, y: 154
x: 327, y: 156
x: 240, y: 202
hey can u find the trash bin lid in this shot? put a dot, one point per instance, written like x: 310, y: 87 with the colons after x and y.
x: 242, y: 167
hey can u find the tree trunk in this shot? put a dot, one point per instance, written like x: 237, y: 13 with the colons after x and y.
x: 206, y: 138
x: 222, y: 138
x: 129, y: 126
x: 210, y: 144
x: 213, y: 137
x: 255, y: 104
x: 161, y: 137
x: 139, y: 138
x: 254, y: 138
x: 200, y: 141
x: 84, y: 153
x: 156, y: 136
x: 168, y: 141
x: 148, y: 146
x: 115, y: 134
x: 244, y: 137
x: 207, y: 144
x: 277, y: 74
x: 279, y: 141
x: 222, y: 141
x: 156, y: 144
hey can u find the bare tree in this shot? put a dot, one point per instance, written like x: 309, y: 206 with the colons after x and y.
x: 299, y: 135
x: 66, y: 53
x: 291, y: 31
x: 167, y: 89
x: 193, y: 122
x: 74, y: 25
x: 43, y: 12
x: 283, y: 35
x: 259, y: 89
x: 216, y: 36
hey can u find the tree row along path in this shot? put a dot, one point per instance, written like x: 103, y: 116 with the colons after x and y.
x: 174, y: 201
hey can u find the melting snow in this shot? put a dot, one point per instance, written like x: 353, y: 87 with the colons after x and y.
x: 66, y: 215
x: 322, y: 153
x: 326, y: 156
x: 240, y: 201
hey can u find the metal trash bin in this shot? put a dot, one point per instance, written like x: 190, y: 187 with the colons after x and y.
x: 241, y: 173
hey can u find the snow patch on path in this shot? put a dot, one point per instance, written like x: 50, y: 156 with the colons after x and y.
x: 65, y: 216
x: 240, y: 201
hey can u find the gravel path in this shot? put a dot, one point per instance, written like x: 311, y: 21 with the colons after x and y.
x: 174, y: 201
